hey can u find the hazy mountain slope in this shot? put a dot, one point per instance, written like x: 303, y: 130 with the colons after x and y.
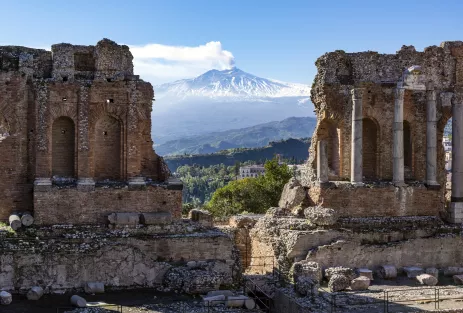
x: 296, y: 149
x: 255, y: 136
x: 223, y: 100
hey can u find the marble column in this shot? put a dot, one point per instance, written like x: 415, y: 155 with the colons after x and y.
x: 356, y: 168
x: 431, y: 139
x: 456, y: 207
x: 322, y: 162
x: 398, y: 138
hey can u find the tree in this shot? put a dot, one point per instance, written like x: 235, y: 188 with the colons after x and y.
x: 254, y: 195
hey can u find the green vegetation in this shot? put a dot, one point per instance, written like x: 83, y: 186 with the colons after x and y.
x: 251, y: 195
x: 295, y: 151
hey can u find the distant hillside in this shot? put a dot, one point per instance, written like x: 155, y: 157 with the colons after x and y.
x: 249, y: 137
x: 295, y: 149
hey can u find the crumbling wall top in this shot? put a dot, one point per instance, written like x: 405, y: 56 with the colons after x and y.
x: 29, y: 61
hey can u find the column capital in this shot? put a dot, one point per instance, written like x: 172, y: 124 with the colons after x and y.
x: 431, y: 95
x: 399, y: 92
x: 357, y: 93
x: 446, y: 99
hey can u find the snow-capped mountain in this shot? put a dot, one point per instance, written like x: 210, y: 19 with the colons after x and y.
x: 231, y: 83
x: 222, y: 100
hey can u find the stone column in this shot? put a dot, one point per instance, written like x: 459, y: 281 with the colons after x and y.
x: 431, y: 139
x: 398, y: 140
x: 356, y: 161
x: 456, y: 207
x: 322, y: 162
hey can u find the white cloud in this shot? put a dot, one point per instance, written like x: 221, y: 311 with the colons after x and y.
x: 162, y: 63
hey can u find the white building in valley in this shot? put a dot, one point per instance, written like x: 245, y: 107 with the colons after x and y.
x: 251, y: 171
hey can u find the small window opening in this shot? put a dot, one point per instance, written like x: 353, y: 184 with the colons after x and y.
x: 65, y: 99
x: 65, y: 78
x: 109, y: 80
x: 105, y: 133
x: 109, y: 100
x: 63, y: 131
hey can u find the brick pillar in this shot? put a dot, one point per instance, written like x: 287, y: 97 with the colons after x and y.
x: 398, y: 140
x: 356, y: 168
x: 431, y: 139
x: 456, y: 206
x: 84, y: 180
x: 42, y: 180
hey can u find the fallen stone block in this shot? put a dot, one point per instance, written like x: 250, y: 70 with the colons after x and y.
x: 192, y: 264
x: 131, y: 219
x: 307, y: 269
x: 15, y: 221
x: 345, y: 271
x: 35, y: 293
x: 365, y: 272
x: 78, y: 301
x: 203, y: 217
x: 214, y: 300
x: 413, y: 271
x: 427, y: 279
x: 27, y: 219
x: 293, y: 194
x: 321, y: 216
x: 458, y: 279
x: 226, y: 293
x: 94, y: 287
x: 451, y: 271
x: 235, y: 301
x: 360, y: 283
x: 338, y: 283
x: 432, y: 271
x: 388, y: 272
x: 156, y: 218
x: 5, y: 298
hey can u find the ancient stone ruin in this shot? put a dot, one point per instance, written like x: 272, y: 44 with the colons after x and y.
x: 372, y: 200
x: 77, y: 155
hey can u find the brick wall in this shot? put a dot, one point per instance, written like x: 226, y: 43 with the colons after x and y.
x: 107, y: 148
x: 63, y: 147
x: 70, y: 206
x: 352, y: 201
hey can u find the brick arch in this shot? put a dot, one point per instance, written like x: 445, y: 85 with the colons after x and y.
x: 329, y: 131
x: 63, y: 147
x: 370, y: 139
x: 108, y: 148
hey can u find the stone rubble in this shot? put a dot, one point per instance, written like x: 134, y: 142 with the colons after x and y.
x: 338, y: 282
x: 427, y: 279
x: 321, y: 216
x: 360, y: 283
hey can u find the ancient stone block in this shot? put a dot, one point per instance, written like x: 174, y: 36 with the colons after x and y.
x: 427, y: 279
x: 413, y: 271
x: 214, y: 300
x: 293, y: 195
x: 5, y: 298
x: 306, y: 286
x: 451, y: 271
x: 339, y: 270
x: 304, y: 268
x: 131, y: 219
x: 321, y: 216
x: 360, y: 283
x: 35, y: 293
x: 432, y: 271
x: 78, y: 301
x: 387, y: 272
x: 338, y: 282
x: 94, y: 287
x: 365, y: 272
x: 201, y: 216
x: 156, y: 218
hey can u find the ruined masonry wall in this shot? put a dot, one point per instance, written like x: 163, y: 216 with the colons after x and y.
x: 378, y: 201
x: 55, y: 206
x: 125, y: 262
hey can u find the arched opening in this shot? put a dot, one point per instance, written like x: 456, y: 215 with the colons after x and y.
x: 370, y: 148
x: 331, y: 134
x: 63, y: 146
x: 107, y: 148
x: 408, y: 151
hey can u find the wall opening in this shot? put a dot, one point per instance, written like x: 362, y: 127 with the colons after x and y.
x: 331, y: 134
x: 84, y: 62
x: 107, y: 149
x: 370, y: 149
x: 408, y: 151
x: 63, y: 146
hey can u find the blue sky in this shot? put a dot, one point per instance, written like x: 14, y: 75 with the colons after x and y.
x: 271, y: 39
